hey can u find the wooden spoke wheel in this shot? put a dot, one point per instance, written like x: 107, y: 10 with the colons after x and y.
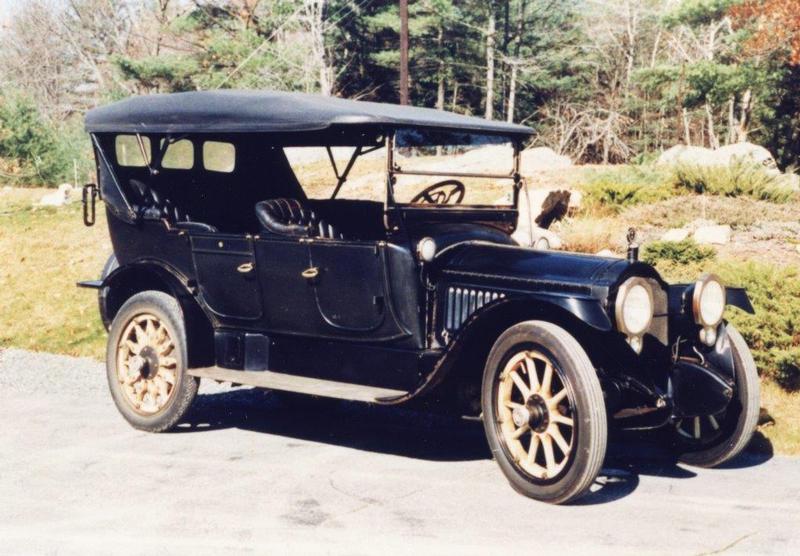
x: 543, y: 412
x: 710, y: 440
x: 535, y: 414
x: 146, y: 364
x: 701, y: 428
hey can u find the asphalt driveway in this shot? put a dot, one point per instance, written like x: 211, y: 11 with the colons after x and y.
x: 254, y: 472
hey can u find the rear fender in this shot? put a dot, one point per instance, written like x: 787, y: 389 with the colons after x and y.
x: 128, y: 280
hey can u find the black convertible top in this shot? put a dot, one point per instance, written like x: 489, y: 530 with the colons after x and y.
x: 270, y: 112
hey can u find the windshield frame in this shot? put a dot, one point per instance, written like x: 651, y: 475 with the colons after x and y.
x: 393, y: 170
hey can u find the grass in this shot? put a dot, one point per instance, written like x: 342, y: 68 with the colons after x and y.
x: 591, y: 235
x: 739, y: 179
x: 741, y: 213
x: 44, y: 252
x: 677, y: 252
x: 783, y: 430
x: 610, y: 190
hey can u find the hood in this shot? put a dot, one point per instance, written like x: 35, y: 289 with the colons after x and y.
x: 523, y: 266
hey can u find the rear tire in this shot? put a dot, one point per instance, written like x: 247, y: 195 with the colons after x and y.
x: 739, y: 422
x: 146, y: 362
x: 548, y: 435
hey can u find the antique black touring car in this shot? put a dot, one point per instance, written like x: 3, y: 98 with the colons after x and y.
x: 233, y: 263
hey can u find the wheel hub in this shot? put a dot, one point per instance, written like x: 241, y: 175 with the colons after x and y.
x: 533, y: 414
x: 539, y: 414
x: 149, y: 358
x: 521, y: 416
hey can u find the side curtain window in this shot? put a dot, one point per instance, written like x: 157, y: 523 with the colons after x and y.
x: 219, y: 157
x: 128, y: 151
x: 179, y: 155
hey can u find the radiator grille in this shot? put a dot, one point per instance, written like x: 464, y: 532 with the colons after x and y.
x: 462, y: 302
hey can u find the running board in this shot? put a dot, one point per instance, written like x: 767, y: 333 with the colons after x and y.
x: 300, y: 384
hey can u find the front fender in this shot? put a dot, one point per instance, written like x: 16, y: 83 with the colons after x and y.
x: 483, y: 326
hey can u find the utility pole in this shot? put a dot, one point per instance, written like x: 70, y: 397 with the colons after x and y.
x: 403, y: 51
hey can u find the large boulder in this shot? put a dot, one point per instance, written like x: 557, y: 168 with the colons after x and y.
x: 543, y: 158
x: 681, y: 154
x: 746, y: 152
x: 63, y: 195
x: 724, y: 156
x: 713, y: 235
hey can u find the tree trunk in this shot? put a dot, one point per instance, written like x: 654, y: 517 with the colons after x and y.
x: 490, y: 43
x: 713, y: 140
x: 731, y: 120
x: 687, y: 132
x: 316, y: 12
x: 744, y: 117
x: 512, y: 84
x: 440, y: 85
x: 512, y: 93
x: 404, y: 52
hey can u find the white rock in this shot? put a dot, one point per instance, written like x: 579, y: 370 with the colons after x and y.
x: 607, y: 253
x: 717, y: 235
x: 542, y: 239
x: 675, y: 234
x: 57, y: 198
x: 724, y: 156
x: 575, y: 200
x: 681, y: 154
x: 543, y: 158
x: 746, y: 152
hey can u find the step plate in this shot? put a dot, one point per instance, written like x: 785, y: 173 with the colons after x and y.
x: 300, y: 384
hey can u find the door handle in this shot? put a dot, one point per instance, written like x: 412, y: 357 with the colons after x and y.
x: 310, y: 273
x: 244, y: 268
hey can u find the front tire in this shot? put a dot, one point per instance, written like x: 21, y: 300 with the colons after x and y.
x: 711, y: 440
x: 146, y: 362
x: 543, y: 412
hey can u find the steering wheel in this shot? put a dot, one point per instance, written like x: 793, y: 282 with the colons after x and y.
x: 447, y: 192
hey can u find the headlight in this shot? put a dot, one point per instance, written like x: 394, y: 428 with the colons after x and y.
x: 634, y: 310
x: 426, y: 249
x: 708, y: 306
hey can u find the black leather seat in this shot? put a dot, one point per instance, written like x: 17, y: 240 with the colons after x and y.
x: 290, y: 217
x: 150, y: 205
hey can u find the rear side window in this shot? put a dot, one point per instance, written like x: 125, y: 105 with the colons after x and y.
x: 179, y: 156
x: 219, y: 157
x: 129, y: 152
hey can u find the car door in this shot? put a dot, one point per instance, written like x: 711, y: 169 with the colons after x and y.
x: 349, y: 285
x: 334, y: 289
x: 227, y: 276
x: 288, y: 296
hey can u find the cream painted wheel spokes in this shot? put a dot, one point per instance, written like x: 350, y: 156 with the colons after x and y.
x: 700, y: 429
x: 146, y: 364
x: 535, y: 415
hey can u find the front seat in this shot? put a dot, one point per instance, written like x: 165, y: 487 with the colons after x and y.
x: 150, y: 205
x: 291, y: 218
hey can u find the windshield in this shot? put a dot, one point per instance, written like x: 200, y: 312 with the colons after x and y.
x: 470, y: 169
x: 473, y: 169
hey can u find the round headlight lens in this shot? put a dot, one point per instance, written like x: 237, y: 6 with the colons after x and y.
x: 709, y: 301
x: 634, y: 307
x: 426, y: 249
